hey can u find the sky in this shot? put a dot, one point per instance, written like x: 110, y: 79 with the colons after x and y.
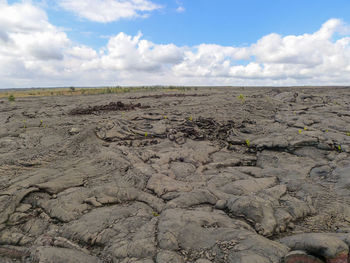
x: 51, y: 43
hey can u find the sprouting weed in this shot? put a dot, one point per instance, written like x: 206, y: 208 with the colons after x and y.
x: 146, y: 134
x: 348, y: 134
x: 24, y: 124
x: 305, y: 128
x: 327, y: 130
x: 247, y: 142
x: 41, y: 123
x: 300, y: 131
x: 165, y: 117
x: 339, y: 148
x: 11, y: 98
x: 190, y: 118
x: 241, y: 98
x: 155, y: 214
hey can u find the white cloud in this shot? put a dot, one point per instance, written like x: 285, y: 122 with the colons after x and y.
x: 30, y: 47
x: 33, y: 52
x: 109, y: 10
x: 209, y: 60
x: 82, y: 52
x: 180, y: 9
x: 22, y: 17
x: 307, y: 49
x: 133, y: 53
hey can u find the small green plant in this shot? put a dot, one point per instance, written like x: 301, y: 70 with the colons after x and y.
x: 24, y: 124
x: 241, y: 98
x: 348, y: 134
x: 11, y: 98
x: 247, y: 142
x: 155, y: 214
x: 339, y: 148
x: 190, y: 118
x: 299, y: 131
x: 146, y: 134
x: 305, y: 128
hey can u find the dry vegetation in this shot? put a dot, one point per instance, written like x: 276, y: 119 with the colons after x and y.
x: 40, y: 92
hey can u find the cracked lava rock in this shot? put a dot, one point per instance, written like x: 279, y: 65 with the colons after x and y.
x: 180, y: 177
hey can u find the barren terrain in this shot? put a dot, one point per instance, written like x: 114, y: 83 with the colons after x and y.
x: 206, y: 175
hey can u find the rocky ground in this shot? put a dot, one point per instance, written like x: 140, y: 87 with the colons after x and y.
x: 199, y: 176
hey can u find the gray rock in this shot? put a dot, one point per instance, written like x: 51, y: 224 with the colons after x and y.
x: 166, y: 256
x: 287, y: 96
x: 255, y: 209
x: 246, y: 187
x: 202, y: 260
x: 9, y: 202
x: 321, y: 171
x: 74, y: 130
x: 23, y: 208
x: 195, y: 197
x: 162, y: 184
x: 214, y: 234
x: 322, y: 245
x: 61, y: 183
x: 69, y: 205
x: 201, y: 190
x: 220, y: 204
x: 61, y: 255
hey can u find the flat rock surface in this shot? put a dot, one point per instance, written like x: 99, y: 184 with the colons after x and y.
x: 203, y: 175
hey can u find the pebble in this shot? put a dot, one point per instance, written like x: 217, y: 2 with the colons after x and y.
x: 74, y: 131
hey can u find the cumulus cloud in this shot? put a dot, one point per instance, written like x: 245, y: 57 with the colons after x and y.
x: 303, y: 56
x: 4, y: 37
x: 33, y: 52
x: 307, y: 49
x: 22, y: 17
x: 180, y: 9
x: 302, y: 59
x: 133, y: 53
x: 82, y: 52
x: 109, y: 10
x: 208, y: 60
x: 28, y: 42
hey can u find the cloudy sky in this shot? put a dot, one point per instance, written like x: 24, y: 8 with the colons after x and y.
x: 174, y: 42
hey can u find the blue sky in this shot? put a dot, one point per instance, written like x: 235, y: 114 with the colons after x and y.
x: 184, y: 42
x: 223, y: 22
